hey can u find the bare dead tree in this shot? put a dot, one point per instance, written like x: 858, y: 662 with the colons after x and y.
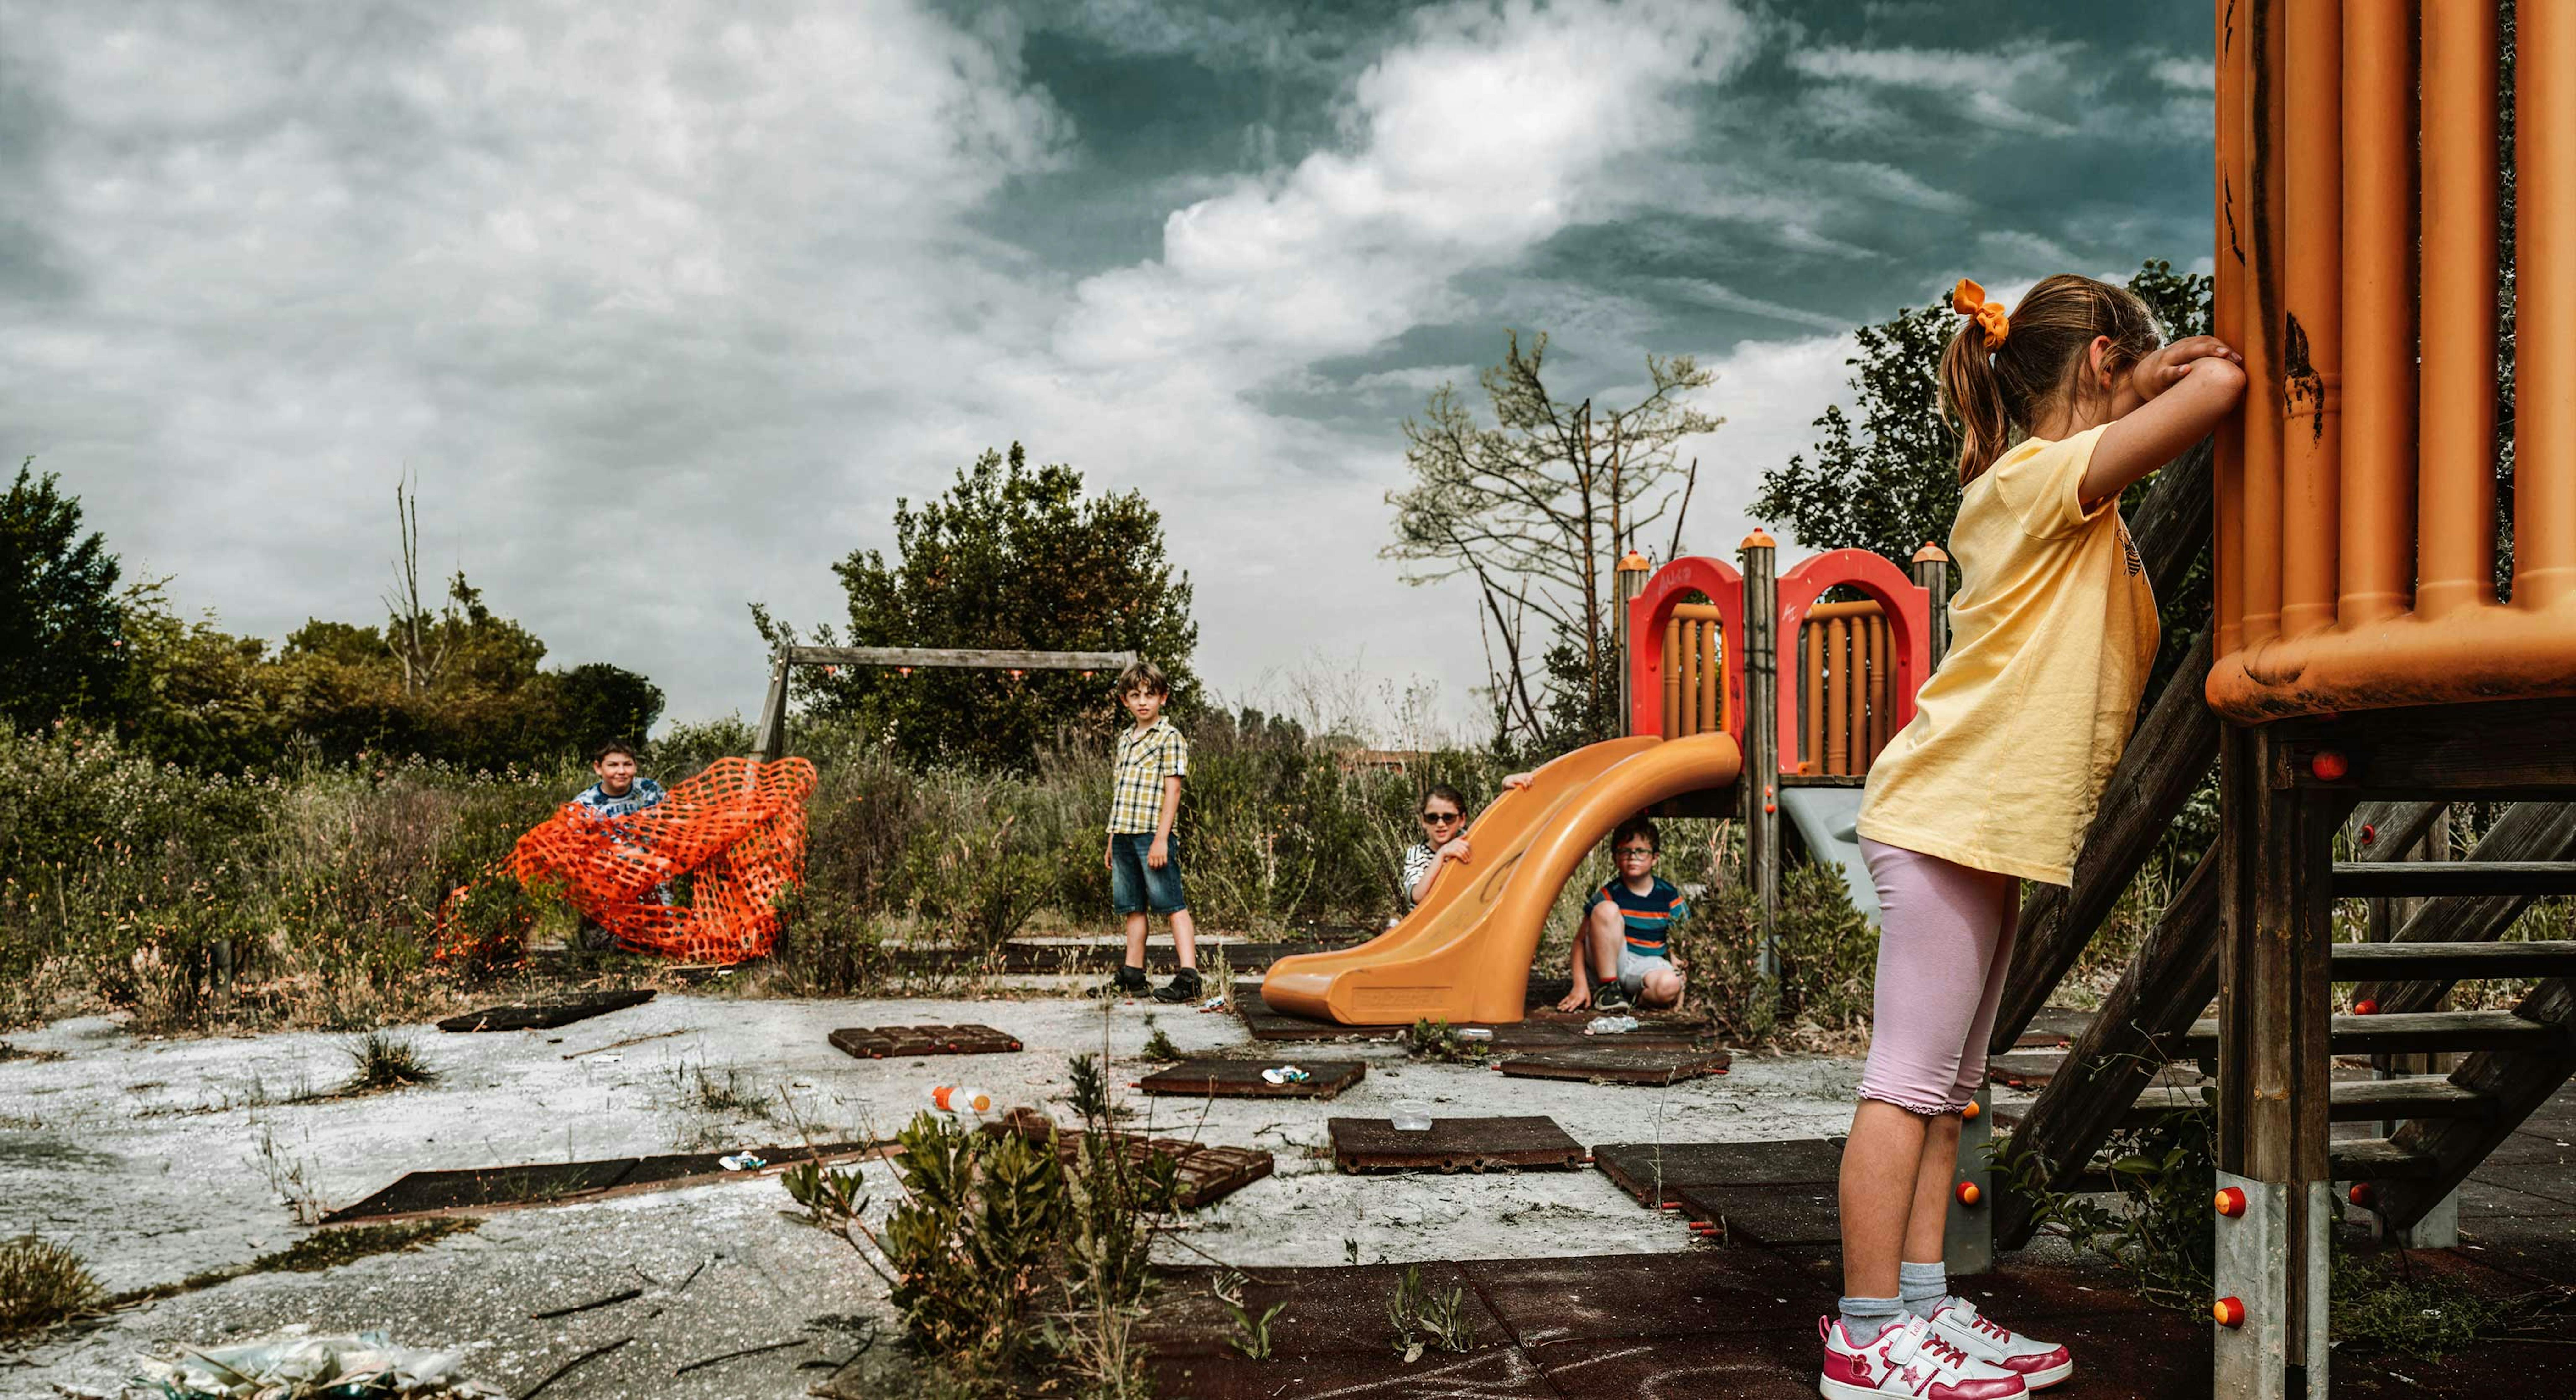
x: 1539, y: 506
x: 416, y: 638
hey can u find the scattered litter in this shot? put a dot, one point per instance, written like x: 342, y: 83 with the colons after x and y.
x: 1217, y: 1003
x: 742, y: 1162
x: 1411, y: 1118
x: 1608, y: 1025
x: 1286, y: 1074
x: 962, y: 1099
x: 293, y: 1364
x: 1475, y: 1033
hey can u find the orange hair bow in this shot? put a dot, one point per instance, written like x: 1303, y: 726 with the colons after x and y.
x: 1969, y: 300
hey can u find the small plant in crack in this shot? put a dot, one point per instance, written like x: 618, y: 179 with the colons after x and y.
x: 1159, y: 1046
x: 1252, y: 1334
x: 385, y: 1061
x: 1423, y: 1319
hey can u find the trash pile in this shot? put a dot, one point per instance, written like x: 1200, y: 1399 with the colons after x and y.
x: 293, y: 1364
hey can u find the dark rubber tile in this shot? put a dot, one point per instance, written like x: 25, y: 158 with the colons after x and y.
x: 1773, y: 1365
x: 1646, y: 1296
x: 1498, y: 1374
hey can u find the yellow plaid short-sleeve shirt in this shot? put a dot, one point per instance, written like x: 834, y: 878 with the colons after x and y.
x: 1145, y: 758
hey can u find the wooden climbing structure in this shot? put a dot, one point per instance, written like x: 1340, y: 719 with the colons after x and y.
x: 2374, y: 660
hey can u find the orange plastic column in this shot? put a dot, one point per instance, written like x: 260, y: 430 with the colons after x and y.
x: 2378, y: 309
x: 2229, y: 238
x: 2262, y: 231
x: 2311, y: 166
x: 1838, y: 691
x: 2456, y: 500
x: 1711, y: 679
x: 2544, y: 424
x: 1673, y: 678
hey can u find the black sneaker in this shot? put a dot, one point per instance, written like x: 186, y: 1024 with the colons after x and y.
x: 1130, y: 982
x: 1184, y: 986
x: 1609, y: 996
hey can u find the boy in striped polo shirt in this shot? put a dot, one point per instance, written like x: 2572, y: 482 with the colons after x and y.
x: 1143, y: 859
x: 1623, y: 955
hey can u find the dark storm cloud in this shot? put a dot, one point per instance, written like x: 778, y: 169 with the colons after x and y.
x: 666, y: 305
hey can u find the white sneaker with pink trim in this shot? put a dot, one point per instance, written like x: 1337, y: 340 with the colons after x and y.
x: 2038, y: 1363
x: 1910, y: 1360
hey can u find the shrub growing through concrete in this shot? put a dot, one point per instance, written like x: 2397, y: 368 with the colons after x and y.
x: 41, y: 1284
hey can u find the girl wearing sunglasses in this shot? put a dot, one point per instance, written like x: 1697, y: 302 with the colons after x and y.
x: 1444, y: 837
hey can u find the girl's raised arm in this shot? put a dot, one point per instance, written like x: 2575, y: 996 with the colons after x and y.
x: 2185, y: 388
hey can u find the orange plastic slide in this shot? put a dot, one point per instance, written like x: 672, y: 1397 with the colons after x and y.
x: 1464, y: 954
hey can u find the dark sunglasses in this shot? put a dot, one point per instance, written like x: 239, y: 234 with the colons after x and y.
x: 1444, y: 816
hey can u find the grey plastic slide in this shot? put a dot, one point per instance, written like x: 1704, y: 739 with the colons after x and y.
x: 1824, y: 816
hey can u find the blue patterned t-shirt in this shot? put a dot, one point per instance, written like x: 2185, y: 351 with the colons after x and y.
x: 640, y: 794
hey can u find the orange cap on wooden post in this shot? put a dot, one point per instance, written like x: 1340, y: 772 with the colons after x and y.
x: 1930, y: 552
x: 1760, y: 539
x: 1633, y: 563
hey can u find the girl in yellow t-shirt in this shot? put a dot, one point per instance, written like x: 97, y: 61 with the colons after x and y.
x: 1994, y: 780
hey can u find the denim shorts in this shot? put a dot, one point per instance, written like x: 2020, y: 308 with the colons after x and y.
x: 1134, y: 886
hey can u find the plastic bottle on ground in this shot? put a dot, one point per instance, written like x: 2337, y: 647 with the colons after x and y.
x: 964, y: 1100
x: 1611, y: 1025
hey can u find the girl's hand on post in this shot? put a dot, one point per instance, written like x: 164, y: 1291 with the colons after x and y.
x: 1456, y: 850
x: 1517, y: 781
x: 2169, y: 365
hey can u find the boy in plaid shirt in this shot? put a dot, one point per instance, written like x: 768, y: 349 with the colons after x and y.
x: 1144, y: 800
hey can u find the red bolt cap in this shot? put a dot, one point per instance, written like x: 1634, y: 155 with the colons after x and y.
x: 2365, y: 1007
x: 1970, y: 1112
x: 2329, y: 765
x: 2230, y: 1312
x: 2231, y: 1202
x: 1969, y: 1194
x: 2369, y: 833
x: 2362, y: 1194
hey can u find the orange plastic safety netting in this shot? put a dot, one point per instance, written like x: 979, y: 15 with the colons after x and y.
x: 736, y: 830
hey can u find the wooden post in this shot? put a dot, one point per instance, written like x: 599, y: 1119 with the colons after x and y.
x: 2274, y: 1009
x: 1760, y: 782
x: 1932, y: 573
x: 770, y: 743
x: 1632, y: 581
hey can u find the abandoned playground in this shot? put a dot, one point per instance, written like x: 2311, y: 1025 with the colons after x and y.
x: 2313, y: 1131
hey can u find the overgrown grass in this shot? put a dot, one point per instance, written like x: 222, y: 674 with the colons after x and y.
x: 310, y: 897
x: 42, y: 1284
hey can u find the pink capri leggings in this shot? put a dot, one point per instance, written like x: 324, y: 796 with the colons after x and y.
x: 1945, y: 939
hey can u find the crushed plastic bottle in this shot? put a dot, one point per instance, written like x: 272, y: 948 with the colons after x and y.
x: 1611, y: 1025
x: 965, y: 1100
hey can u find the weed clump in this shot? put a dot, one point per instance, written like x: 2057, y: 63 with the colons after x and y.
x: 386, y: 1061
x: 1424, y: 1319
x: 41, y: 1284
x: 1015, y: 1264
x: 1438, y: 1040
x: 1159, y: 1046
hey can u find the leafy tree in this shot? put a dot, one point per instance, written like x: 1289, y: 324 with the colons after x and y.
x: 1890, y: 481
x: 1538, y: 509
x: 61, y: 627
x: 1010, y: 557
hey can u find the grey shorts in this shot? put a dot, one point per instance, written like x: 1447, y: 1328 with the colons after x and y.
x: 1633, y: 967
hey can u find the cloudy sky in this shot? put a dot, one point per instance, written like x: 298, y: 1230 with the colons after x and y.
x: 665, y: 303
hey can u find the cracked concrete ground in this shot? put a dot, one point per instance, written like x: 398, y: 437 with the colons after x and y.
x: 158, y: 1159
